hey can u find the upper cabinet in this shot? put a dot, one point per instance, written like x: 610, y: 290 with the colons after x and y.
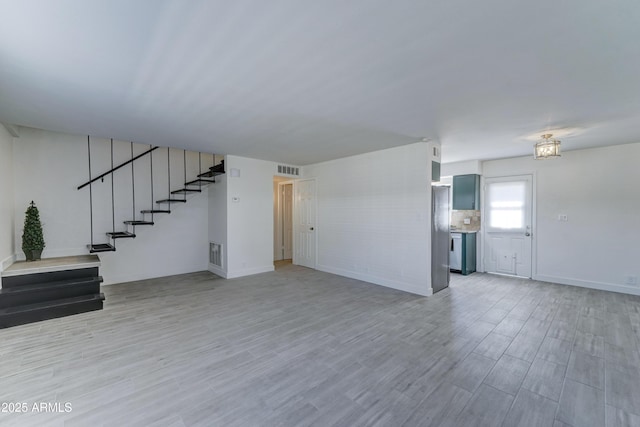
x: 435, y: 171
x: 466, y: 192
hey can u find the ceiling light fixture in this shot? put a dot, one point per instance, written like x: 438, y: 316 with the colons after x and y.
x: 547, y: 148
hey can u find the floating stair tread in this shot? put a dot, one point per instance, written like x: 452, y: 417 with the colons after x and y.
x: 210, y: 174
x: 51, y: 304
x: 101, y: 247
x: 186, y: 190
x: 121, y: 235
x: 213, y: 171
x: 136, y: 222
x: 49, y: 285
x: 199, y: 181
x: 218, y: 168
x: 171, y: 201
x: 155, y: 211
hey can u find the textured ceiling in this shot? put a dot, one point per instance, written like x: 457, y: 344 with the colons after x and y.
x: 303, y: 81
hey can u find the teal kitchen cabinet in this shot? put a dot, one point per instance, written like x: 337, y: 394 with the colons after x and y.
x: 435, y: 171
x: 466, y: 192
x: 463, y: 252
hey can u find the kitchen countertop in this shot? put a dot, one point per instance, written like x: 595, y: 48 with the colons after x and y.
x: 462, y: 231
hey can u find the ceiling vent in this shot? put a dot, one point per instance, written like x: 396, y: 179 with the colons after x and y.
x: 288, y: 170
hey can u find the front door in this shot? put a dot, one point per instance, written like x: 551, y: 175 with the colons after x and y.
x: 508, y: 231
x: 304, y: 244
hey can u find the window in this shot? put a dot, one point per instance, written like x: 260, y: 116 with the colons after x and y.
x: 506, y: 207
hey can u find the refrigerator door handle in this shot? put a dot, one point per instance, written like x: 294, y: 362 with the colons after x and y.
x: 452, y: 249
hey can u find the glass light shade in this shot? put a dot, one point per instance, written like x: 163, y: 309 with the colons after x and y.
x: 547, y: 148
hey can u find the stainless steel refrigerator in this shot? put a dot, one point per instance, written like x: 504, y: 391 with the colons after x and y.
x: 440, y: 238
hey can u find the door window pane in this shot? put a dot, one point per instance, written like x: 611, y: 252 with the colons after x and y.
x: 506, y: 205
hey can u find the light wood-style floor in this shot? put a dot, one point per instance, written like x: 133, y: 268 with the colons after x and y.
x: 298, y: 347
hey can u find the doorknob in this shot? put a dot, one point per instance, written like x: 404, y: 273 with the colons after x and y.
x: 527, y: 234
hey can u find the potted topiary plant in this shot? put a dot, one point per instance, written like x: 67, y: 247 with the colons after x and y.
x: 32, y: 238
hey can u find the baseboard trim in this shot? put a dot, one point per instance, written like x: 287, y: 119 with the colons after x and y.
x: 6, y: 263
x: 393, y: 284
x: 249, y: 271
x: 217, y: 271
x: 588, y: 284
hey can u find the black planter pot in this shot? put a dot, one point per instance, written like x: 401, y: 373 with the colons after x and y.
x: 33, y: 255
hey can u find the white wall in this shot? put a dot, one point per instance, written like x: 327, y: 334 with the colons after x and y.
x: 461, y: 168
x: 599, y: 190
x: 374, y: 217
x: 48, y: 167
x: 250, y: 218
x: 7, y: 222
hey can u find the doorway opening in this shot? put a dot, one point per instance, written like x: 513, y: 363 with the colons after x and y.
x: 282, y: 222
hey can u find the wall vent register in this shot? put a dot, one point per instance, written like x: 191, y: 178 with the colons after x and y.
x: 215, y: 254
x: 288, y: 170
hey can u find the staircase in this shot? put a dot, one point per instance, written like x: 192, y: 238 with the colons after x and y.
x: 28, y: 296
x: 193, y: 186
x: 38, y: 291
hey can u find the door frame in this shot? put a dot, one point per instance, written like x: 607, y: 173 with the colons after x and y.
x: 280, y: 218
x: 295, y: 220
x: 534, y: 220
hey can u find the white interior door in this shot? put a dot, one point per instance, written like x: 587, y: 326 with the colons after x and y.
x: 507, y: 230
x: 304, y: 242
